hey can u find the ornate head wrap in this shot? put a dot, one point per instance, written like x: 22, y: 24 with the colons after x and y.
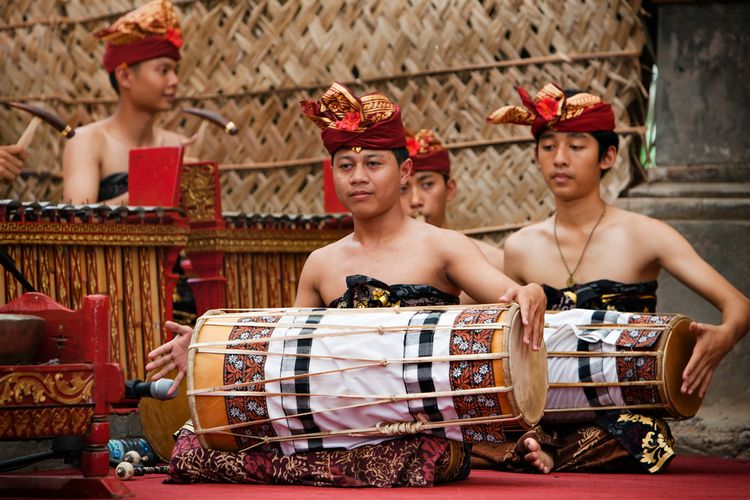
x: 551, y: 110
x: 148, y: 32
x: 370, y: 121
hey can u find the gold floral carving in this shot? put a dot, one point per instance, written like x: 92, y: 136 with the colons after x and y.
x: 44, y: 422
x: 262, y: 240
x: 198, y: 192
x: 50, y: 233
x: 62, y: 387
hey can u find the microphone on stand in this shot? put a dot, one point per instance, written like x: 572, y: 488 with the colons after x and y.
x: 137, y: 389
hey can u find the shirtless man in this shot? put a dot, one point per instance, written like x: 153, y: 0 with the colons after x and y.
x: 11, y: 161
x: 593, y: 255
x: 430, y: 188
x: 365, y: 138
x: 370, y: 164
x: 141, y: 56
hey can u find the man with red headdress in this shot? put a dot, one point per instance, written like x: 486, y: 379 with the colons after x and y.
x: 141, y: 56
x: 592, y: 255
x: 426, y: 194
x: 389, y: 260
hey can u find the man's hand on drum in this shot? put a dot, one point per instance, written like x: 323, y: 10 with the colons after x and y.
x: 172, y: 355
x: 712, y: 344
x: 533, y: 302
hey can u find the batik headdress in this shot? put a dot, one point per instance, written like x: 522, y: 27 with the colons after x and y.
x: 148, y: 32
x: 551, y: 110
x: 370, y: 121
x: 427, y: 153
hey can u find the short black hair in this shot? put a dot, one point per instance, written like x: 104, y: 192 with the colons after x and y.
x: 401, y: 154
x: 113, y: 82
x: 113, y: 79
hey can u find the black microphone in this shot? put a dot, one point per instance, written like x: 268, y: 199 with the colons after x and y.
x: 137, y: 389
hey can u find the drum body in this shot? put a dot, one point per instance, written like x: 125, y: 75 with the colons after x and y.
x: 340, y: 378
x: 617, y: 361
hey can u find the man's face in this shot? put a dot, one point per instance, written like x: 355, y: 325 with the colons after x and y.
x: 152, y: 84
x: 570, y: 163
x: 368, y: 182
x: 427, y: 194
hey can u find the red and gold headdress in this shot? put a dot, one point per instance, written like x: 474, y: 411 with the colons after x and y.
x: 427, y: 153
x: 551, y: 110
x: 370, y: 121
x: 148, y: 32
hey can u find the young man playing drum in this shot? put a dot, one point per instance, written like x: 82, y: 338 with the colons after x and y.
x: 143, y: 48
x: 595, y: 256
x: 430, y: 188
x: 389, y: 260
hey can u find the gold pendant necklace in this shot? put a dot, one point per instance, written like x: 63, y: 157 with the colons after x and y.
x: 570, y: 282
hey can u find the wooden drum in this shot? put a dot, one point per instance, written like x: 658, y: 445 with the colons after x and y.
x: 607, y: 360
x: 310, y: 379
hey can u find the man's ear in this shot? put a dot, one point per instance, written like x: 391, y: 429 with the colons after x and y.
x: 608, y: 159
x: 451, y: 189
x: 405, y: 169
x: 124, y: 76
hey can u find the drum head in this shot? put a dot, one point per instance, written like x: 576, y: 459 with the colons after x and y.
x: 527, y: 371
x: 677, y: 352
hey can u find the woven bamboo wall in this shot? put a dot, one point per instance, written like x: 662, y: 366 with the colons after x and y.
x: 448, y: 63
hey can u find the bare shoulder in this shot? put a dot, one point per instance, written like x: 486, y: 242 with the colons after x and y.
x: 641, y: 228
x: 331, y: 251
x: 169, y: 137
x: 533, y: 233
x: 91, y: 133
x: 440, y: 237
x: 494, y: 253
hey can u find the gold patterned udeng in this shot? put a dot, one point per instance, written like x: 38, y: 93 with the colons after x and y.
x: 154, y: 18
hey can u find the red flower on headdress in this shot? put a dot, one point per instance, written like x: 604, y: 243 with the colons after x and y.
x: 412, y: 145
x: 174, y: 36
x: 547, y: 107
x: 349, y: 122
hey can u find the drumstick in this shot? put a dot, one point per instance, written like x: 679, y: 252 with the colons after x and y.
x: 28, y: 134
x: 40, y: 115
x: 209, y: 117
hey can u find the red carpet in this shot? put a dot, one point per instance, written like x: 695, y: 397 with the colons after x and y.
x: 687, y: 477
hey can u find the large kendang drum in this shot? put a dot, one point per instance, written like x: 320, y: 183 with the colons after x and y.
x: 607, y: 360
x: 297, y: 380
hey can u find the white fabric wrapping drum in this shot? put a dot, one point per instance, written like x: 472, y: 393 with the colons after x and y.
x: 357, y: 371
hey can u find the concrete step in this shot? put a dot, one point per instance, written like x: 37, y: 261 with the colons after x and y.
x: 734, y: 172
x: 691, y: 190
x: 689, y: 208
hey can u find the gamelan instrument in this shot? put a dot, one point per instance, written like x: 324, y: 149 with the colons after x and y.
x: 310, y: 379
x: 607, y: 360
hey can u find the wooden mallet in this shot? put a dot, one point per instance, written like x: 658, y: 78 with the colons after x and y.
x: 40, y: 115
x: 210, y: 117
